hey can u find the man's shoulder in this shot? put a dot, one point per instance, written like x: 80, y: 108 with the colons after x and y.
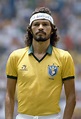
x: 60, y: 52
x: 19, y: 52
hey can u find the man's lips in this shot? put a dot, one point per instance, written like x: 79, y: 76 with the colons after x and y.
x: 41, y: 32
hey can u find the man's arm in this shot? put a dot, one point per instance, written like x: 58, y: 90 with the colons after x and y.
x: 69, y: 87
x: 9, y: 101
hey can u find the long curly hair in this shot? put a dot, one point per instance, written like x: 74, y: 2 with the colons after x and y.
x: 53, y: 38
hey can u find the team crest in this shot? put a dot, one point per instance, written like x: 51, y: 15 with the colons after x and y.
x: 52, y: 70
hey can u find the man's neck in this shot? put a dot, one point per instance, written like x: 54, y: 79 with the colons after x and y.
x: 40, y: 47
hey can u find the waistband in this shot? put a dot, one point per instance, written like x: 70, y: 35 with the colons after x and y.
x: 53, y: 116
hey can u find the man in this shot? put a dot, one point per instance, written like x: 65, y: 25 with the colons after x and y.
x: 40, y: 70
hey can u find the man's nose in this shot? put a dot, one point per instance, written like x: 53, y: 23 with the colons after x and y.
x: 40, y: 26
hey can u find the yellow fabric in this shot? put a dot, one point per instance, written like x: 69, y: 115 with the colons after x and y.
x: 39, y: 84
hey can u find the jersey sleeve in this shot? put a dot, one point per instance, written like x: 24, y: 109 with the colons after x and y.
x: 11, y: 66
x: 68, y: 70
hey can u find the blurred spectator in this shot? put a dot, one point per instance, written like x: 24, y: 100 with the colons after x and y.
x: 8, y: 9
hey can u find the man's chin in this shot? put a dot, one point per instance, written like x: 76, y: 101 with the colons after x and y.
x: 41, y: 40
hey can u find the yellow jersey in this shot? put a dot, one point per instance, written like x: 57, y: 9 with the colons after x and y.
x: 39, y: 82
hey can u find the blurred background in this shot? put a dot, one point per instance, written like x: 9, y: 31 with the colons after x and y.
x: 14, y: 18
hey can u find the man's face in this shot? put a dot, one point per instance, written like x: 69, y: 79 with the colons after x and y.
x: 41, y: 30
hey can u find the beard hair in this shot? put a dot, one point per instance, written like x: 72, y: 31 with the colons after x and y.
x: 41, y: 39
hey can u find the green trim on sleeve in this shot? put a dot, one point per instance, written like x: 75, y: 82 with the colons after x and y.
x: 12, y: 77
x: 68, y: 78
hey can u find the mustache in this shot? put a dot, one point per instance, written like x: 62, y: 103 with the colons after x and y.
x: 40, y: 32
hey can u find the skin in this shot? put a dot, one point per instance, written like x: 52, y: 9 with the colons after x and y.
x: 69, y: 87
x: 41, y: 47
x: 39, y: 51
x: 10, y: 97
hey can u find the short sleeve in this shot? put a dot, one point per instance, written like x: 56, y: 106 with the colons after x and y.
x: 68, y: 70
x: 11, y: 66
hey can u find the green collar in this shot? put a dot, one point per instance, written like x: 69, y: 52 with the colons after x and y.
x: 49, y: 50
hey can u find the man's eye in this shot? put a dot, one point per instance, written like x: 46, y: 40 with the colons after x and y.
x: 45, y: 24
x: 36, y: 24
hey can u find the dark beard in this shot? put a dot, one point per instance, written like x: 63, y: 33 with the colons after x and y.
x: 40, y: 39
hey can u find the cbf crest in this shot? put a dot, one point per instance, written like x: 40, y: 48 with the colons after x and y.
x: 52, y: 70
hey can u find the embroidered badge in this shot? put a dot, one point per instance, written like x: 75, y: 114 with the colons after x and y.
x: 24, y: 68
x: 52, y: 70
